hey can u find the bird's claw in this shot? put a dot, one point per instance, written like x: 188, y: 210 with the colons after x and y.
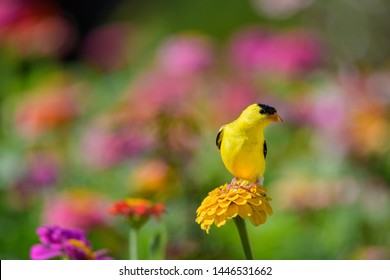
x: 240, y: 183
x: 233, y: 183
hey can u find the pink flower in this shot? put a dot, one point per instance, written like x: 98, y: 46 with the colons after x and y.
x: 41, y: 172
x: 161, y: 93
x: 76, y: 209
x: 232, y: 96
x: 292, y: 52
x: 103, y: 147
x: 185, y: 54
x: 326, y: 109
x: 10, y: 12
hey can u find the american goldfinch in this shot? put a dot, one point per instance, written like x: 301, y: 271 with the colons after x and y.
x: 242, y: 144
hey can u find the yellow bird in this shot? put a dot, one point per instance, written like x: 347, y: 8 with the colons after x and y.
x: 242, y: 144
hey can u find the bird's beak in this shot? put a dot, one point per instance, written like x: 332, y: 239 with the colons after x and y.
x: 275, y: 118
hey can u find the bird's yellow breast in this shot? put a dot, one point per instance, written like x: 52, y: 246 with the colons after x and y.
x: 242, y: 152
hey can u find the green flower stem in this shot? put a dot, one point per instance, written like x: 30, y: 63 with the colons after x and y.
x: 242, y: 231
x: 133, y: 243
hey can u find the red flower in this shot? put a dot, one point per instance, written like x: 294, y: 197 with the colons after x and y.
x: 137, y: 210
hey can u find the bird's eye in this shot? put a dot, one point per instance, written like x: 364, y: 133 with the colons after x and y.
x: 262, y: 111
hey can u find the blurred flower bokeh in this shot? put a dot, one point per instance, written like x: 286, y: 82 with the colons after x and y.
x: 127, y: 103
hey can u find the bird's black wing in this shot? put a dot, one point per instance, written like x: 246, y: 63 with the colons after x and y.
x: 219, y: 138
x: 265, y: 149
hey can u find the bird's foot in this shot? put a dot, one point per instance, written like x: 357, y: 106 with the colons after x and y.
x: 250, y: 186
x: 238, y: 183
x: 258, y: 183
x: 234, y: 181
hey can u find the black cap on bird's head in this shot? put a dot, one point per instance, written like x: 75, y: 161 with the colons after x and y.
x: 269, y: 111
x: 265, y: 109
x: 259, y: 114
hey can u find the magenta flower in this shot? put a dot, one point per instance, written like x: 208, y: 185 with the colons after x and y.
x: 103, y: 148
x: 234, y: 95
x: 160, y: 90
x: 41, y: 173
x: 77, y: 208
x: 290, y: 53
x: 66, y: 243
x: 162, y: 94
x: 185, y: 54
x: 10, y: 11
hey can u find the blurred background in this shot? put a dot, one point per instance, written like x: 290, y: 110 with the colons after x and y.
x: 101, y: 100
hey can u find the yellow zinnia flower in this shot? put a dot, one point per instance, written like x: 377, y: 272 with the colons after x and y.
x: 227, y: 201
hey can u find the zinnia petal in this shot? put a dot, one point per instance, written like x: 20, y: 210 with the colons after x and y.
x: 102, y: 255
x: 245, y: 211
x: 42, y: 252
x: 240, y: 201
x: 220, y: 220
x: 221, y: 211
x: 208, y: 221
x: 224, y: 203
x: 232, y: 210
x: 256, y: 220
